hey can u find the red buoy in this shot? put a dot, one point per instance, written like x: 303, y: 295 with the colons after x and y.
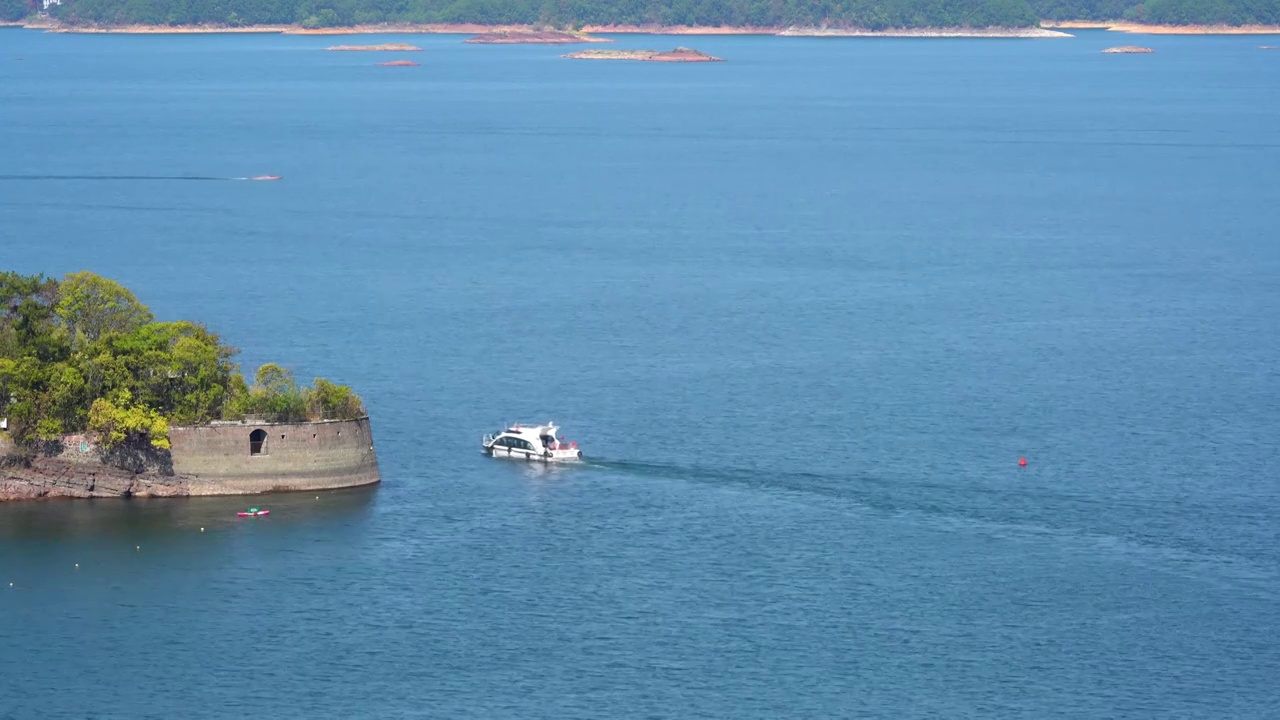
x: 1022, y: 462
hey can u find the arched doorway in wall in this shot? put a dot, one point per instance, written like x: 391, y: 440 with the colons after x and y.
x: 258, y: 442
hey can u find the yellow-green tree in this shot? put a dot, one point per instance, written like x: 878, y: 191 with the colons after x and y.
x: 120, y: 420
x: 91, y: 306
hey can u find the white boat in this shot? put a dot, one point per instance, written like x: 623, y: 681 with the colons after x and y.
x: 531, y: 442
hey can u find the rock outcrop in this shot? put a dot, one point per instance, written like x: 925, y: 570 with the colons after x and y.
x: 385, y: 47
x: 680, y: 54
x: 1127, y: 50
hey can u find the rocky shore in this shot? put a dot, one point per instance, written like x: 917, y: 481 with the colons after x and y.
x: 533, y: 37
x: 398, y: 63
x: 49, y: 478
x: 518, y: 34
x: 957, y: 32
x: 680, y: 54
x: 680, y: 30
x: 514, y: 34
x: 1143, y: 29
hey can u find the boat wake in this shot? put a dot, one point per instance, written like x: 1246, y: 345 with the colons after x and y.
x: 974, y: 507
x: 770, y: 479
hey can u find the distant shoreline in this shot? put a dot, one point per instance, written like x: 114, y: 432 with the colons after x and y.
x: 1142, y: 29
x: 938, y: 32
x: 473, y: 29
x: 1047, y: 29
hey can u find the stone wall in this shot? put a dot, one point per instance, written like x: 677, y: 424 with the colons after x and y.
x: 293, y: 456
x: 207, y: 460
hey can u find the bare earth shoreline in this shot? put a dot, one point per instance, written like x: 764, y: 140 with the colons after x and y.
x: 1139, y: 29
x: 1049, y: 29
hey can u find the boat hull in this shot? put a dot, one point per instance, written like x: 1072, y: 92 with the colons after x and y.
x: 553, y: 456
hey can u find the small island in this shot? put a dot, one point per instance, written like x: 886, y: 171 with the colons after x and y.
x: 680, y: 54
x: 386, y: 47
x: 1127, y: 50
x: 533, y: 37
x: 398, y: 63
x: 99, y: 399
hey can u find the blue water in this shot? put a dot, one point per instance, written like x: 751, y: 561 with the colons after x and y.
x: 803, y: 310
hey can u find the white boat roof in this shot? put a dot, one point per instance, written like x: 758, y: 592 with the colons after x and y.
x: 547, y: 429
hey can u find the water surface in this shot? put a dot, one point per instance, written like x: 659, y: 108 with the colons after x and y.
x: 804, y: 310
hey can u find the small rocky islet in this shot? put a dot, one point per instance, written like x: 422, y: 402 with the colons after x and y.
x: 398, y: 63
x: 1127, y: 50
x: 680, y: 54
x: 385, y: 47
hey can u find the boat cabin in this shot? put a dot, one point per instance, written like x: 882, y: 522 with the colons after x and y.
x: 530, y: 442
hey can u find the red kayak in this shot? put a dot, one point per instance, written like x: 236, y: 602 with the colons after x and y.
x: 253, y: 512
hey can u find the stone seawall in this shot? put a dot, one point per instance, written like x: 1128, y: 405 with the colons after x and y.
x: 219, y: 459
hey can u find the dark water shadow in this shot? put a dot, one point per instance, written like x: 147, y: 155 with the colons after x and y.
x: 116, y: 177
x: 156, y: 518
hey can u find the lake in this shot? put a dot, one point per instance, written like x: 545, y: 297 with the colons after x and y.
x: 803, y: 310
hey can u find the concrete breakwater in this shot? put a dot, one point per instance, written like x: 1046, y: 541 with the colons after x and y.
x: 223, y: 458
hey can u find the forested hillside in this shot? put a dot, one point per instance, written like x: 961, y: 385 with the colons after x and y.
x: 1163, y: 12
x: 11, y: 10
x: 873, y: 14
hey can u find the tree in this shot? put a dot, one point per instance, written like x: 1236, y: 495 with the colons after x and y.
x: 12, y: 10
x: 274, y: 395
x: 27, y: 318
x: 91, y: 306
x: 330, y: 401
x: 120, y: 421
x: 84, y: 354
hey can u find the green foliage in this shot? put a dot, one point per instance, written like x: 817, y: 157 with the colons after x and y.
x: 91, y: 305
x: 12, y: 10
x: 275, y: 396
x: 27, y: 319
x: 84, y: 354
x: 873, y: 14
x: 123, y: 420
x: 1163, y: 12
x: 558, y: 13
x: 329, y: 401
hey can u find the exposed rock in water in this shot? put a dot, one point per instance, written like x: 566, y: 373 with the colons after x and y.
x: 386, y: 47
x: 533, y: 37
x: 680, y: 54
x: 1127, y: 50
x: 1269, y: 47
x: 398, y: 63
